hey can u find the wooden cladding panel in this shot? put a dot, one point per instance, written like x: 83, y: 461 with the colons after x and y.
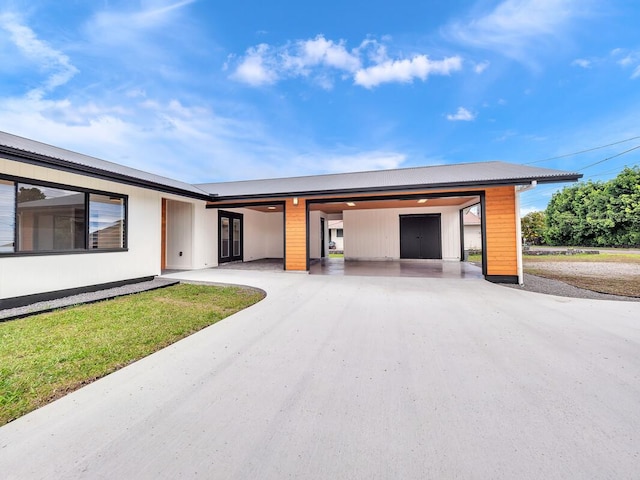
x: 163, y: 236
x: 295, y: 235
x: 500, y: 217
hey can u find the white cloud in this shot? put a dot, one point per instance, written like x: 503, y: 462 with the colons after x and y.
x: 461, y: 115
x: 631, y: 59
x: 581, y: 62
x: 360, y: 162
x: 254, y: 70
x: 320, y: 51
x: 320, y: 59
x: 480, y: 67
x: 406, y: 70
x: 59, y: 66
x: 518, y: 28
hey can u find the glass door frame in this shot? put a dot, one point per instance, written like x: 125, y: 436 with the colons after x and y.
x: 234, y: 248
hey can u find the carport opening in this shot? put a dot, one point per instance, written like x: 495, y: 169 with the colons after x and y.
x: 418, y: 234
x: 257, y: 242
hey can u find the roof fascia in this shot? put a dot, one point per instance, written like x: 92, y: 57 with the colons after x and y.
x: 40, y: 160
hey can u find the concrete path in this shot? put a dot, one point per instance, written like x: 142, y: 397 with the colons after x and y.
x: 360, y: 378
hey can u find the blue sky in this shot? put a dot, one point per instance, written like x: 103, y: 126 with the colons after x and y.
x: 211, y: 91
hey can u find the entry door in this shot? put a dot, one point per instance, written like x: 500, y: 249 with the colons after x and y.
x: 420, y: 236
x: 230, y: 237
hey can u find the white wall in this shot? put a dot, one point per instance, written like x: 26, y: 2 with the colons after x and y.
x: 26, y: 275
x: 263, y: 235
x: 179, y: 252
x: 375, y: 234
x: 472, y: 237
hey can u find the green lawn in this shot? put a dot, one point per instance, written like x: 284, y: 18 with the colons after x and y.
x: 43, y: 357
x: 336, y: 255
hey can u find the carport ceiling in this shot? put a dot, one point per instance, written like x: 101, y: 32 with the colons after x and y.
x: 363, y: 204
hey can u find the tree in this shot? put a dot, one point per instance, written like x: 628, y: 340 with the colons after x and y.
x: 30, y: 194
x: 533, y: 227
x: 597, y: 214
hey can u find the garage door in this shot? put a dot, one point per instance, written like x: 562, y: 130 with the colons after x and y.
x: 420, y: 236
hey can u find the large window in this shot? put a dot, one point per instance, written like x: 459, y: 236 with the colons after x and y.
x: 45, y: 218
x: 50, y: 219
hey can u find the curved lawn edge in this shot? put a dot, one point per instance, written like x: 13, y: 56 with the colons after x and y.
x: 46, y: 356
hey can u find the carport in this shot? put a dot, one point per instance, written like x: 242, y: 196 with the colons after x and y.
x: 393, y: 215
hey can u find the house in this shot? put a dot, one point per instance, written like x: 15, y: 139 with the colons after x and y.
x: 472, y: 231
x: 70, y: 222
x: 336, y: 234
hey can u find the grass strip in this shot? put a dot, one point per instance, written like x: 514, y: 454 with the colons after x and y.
x: 583, y: 257
x: 44, y: 357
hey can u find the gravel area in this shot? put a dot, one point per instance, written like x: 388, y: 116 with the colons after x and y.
x: 592, y: 269
x: 533, y: 283
x: 41, y: 307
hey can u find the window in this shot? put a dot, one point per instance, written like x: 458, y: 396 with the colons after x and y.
x: 46, y: 218
x: 50, y: 219
x: 339, y: 233
x: 7, y: 216
x: 106, y: 222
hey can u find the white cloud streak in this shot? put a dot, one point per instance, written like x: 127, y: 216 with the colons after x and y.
x: 581, y: 62
x: 461, y: 115
x: 59, y: 66
x: 368, y: 65
x: 516, y: 28
x: 406, y: 70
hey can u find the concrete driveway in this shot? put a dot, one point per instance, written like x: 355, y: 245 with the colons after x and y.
x: 360, y: 378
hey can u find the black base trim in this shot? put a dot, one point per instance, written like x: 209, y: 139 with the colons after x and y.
x: 16, y: 302
x: 512, y: 279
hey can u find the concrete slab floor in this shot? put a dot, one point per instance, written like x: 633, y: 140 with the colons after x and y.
x: 396, y: 268
x: 344, y: 377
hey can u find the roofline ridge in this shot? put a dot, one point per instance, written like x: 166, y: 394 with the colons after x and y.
x: 360, y: 172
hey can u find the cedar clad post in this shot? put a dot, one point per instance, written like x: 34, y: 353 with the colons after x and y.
x: 295, y: 235
x: 501, y: 247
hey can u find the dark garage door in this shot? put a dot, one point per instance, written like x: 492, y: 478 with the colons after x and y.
x: 420, y: 236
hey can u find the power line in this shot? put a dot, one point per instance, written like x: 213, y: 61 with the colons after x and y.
x: 582, y: 151
x: 610, y: 158
x: 551, y: 187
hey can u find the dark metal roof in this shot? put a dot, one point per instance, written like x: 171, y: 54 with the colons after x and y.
x: 22, y: 149
x: 405, y: 179
x: 439, y: 176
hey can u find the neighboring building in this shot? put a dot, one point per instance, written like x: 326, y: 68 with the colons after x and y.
x: 472, y: 231
x: 336, y: 234
x: 70, y: 222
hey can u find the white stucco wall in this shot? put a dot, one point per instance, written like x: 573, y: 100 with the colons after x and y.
x: 26, y: 275
x: 263, y: 235
x: 179, y: 252
x: 375, y: 234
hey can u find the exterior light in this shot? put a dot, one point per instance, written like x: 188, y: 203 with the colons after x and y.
x: 295, y: 200
x: 271, y: 207
x: 351, y: 204
x: 422, y: 200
